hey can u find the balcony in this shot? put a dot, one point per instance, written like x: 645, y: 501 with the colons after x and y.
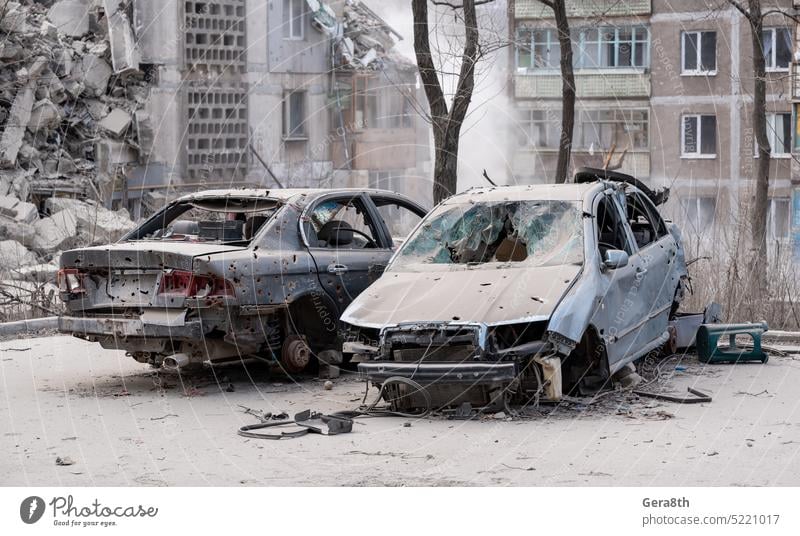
x: 533, y: 9
x: 607, y: 83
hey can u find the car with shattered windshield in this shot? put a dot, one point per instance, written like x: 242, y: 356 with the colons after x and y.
x: 521, y: 293
x: 221, y: 275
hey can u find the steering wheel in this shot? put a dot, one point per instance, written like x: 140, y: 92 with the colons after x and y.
x: 370, y: 242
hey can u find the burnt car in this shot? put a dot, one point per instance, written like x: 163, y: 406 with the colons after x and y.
x: 520, y: 294
x: 222, y: 275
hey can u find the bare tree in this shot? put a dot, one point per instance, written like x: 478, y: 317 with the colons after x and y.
x: 446, y: 120
x: 568, y: 88
x: 758, y: 223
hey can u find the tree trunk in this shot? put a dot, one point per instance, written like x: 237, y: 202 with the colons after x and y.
x: 446, y: 123
x: 758, y: 224
x: 568, y: 89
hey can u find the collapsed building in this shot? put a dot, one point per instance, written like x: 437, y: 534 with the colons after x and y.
x: 114, y: 107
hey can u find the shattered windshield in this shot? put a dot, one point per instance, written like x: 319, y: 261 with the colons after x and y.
x: 530, y: 233
x: 218, y: 221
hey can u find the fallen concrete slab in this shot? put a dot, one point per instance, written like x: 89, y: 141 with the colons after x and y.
x: 54, y: 232
x: 13, y: 255
x: 71, y: 17
x: 116, y: 122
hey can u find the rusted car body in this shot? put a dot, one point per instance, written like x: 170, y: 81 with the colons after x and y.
x: 522, y: 293
x: 221, y: 275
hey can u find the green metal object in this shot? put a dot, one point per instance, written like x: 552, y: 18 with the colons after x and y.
x: 709, y: 335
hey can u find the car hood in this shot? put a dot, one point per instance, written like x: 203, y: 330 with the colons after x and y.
x: 142, y: 254
x: 492, y: 297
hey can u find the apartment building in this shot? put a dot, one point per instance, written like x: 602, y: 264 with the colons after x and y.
x: 665, y: 93
x: 247, y: 92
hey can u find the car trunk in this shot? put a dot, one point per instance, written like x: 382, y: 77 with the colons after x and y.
x: 126, y: 276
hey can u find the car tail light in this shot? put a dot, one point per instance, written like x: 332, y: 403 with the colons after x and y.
x: 183, y: 283
x: 70, y: 280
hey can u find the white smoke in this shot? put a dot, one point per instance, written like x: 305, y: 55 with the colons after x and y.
x: 485, y: 133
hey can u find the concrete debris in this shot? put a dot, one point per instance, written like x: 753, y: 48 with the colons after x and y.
x: 96, y: 224
x: 116, y: 122
x: 67, y: 127
x: 13, y: 255
x: 362, y: 39
x: 71, y: 17
x: 124, y: 53
x: 55, y: 232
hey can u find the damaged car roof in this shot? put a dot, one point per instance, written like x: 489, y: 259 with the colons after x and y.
x: 539, y: 192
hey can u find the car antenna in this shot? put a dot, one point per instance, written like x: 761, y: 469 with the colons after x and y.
x: 486, y: 176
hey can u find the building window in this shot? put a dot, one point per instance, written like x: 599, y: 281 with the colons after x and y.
x: 699, y: 53
x: 539, y: 128
x: 779, y: 133
x: 698, y: 213
x: 605, y: 48
x: 619, y: 128
x: 777, y: 43
x: 538, y: 49
x: 379, y: 104
x: 293, y: 19
x: 779, y: 218
x: 699, y: 136
x: 294, y: 115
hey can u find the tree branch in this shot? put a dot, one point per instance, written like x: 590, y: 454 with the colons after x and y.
x: 427, y: 69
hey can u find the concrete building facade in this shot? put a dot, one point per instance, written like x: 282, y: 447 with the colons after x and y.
x: 666, y: 85
x: 249, y: 91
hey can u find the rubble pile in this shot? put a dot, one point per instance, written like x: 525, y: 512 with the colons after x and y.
x: 70, y: 90
x: 362, y: 39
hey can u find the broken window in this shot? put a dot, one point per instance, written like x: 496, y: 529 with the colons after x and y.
x: 540, y: 128
x: 645, y: 222
x: 533, y: 233
x: 399, y: 218
x: 699, y: 52
x: 379, y: 103
x: 777, y: 44
x: 294, y: 115
x: 341, y: 223
x: 219, y: 221
x: 293, y: 19
x: 538, y: 48
x: 611, y: 234
x: 699, y: 136
x: 620, y: 128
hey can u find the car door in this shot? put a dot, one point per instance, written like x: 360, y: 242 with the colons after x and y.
x: 620, y: 309
x: 656, y: 249
x: 399, y: 217
x: 345, y: 239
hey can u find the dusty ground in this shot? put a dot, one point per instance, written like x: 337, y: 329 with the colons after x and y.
x: 123, y: 425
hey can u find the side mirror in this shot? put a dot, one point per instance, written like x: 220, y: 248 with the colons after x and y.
x: 615, y: 258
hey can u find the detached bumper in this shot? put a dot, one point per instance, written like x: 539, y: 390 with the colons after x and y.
x: 128, y: 327
x: 444, y: 373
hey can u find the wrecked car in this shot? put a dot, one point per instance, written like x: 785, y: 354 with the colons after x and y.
x: 221, y: 275
x: 520, y: 294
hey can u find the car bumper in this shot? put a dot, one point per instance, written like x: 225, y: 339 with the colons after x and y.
x: 128, y: 327
x: 444, y: 373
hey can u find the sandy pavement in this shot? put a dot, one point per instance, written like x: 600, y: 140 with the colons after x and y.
x: 122, y: 424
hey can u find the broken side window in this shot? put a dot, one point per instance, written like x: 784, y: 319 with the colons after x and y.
x: 533, y: 233
x: 224, y: 220
x: 645, y: 222
x: 341, y: 224
x: 611, y: 234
